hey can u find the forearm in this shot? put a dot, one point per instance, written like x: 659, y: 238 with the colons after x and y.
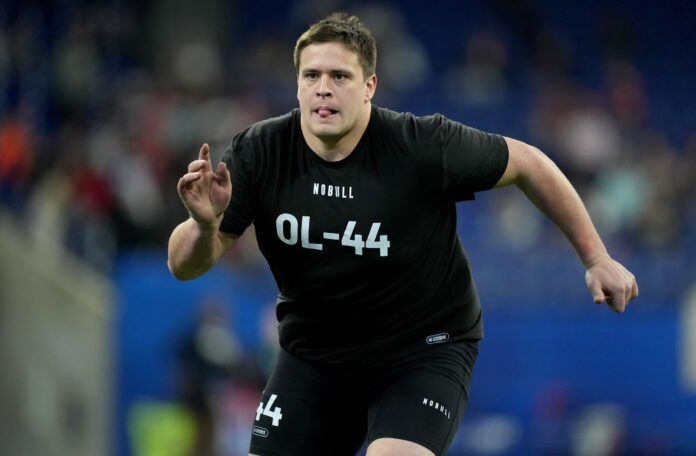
x: 192, y: 251
x: 548, y: 188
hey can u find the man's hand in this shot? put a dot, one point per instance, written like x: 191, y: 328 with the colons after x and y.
x: 205, y: 193
x: 610, y: 282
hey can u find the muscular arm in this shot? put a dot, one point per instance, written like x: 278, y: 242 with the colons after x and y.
x: 193, y: 250
x: 546, y: 186
x: 196, y: 244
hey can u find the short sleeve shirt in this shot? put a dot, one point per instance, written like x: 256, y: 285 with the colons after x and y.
x: 365, y: 251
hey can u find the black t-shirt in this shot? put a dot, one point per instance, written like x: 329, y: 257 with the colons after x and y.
x: 365, y: 250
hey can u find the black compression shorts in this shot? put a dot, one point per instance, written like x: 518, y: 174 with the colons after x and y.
x: 309, y: 410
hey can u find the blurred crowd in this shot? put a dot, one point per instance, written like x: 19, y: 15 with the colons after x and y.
x: 103, y: 104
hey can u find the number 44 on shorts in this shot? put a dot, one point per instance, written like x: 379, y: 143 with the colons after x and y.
x: 275, y: 414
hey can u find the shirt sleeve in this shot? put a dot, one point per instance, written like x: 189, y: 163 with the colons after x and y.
x: 240, y: 212
x: 473, y: 160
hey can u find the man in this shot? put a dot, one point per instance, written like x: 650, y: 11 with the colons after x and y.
x: 354, y: 209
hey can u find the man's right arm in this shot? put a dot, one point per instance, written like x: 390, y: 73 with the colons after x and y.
x: 196, y: 244
x: 193, y: 249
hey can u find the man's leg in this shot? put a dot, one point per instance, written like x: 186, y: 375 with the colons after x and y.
x: 419, y: 403
x: 305, y: 410
x: 396, y: 447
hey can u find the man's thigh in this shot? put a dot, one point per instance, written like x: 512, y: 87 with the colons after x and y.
x: 424, y: 403
x: 304, y: 410
x: 396, y: 447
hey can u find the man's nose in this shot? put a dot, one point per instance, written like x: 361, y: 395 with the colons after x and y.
x: 323, y: 89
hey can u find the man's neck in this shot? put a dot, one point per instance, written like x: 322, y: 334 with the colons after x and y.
x: 333, y: 151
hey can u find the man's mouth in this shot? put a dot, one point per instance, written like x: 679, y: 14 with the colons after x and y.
x: 324, y: 112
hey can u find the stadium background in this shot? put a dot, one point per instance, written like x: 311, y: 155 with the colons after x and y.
x: 102, y: 105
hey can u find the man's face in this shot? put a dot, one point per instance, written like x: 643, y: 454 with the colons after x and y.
x: 332, y: 90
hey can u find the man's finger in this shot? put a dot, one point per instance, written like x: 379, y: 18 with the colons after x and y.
x: 196, y: 165
x: 188, y: 178
x: 204, y: 153
x: 618, y: 302
x: 629, y: 294
x: 634, y: 290
x: 222, y: 174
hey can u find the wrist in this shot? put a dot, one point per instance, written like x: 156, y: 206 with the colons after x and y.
x: 208, y: 228
x: 592, y: 260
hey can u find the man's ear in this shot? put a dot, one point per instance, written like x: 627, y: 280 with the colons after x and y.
x: 370, y: 88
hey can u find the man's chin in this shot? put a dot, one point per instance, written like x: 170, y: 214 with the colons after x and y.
x: 327, y: 134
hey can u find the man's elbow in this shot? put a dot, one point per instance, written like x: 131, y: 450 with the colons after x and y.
x: 525, y: 163
x: 179, y: 273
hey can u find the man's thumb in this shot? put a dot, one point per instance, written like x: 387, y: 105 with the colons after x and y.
x: 223, y: 175
x: 596, y: 290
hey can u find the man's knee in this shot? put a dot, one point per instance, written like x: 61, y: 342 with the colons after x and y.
x: 396, y: 447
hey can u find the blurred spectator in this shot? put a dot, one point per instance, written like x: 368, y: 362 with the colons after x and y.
x: 77, y: 75
x: 479, y: 76
x: 508, y: 210
x: 617, y: 199
x: 659, y: 225
x: 599, y: 430
x: 202, y: 55
x: 269, y: 347
x: 586, y: 138
x: 161, y: 429
x: 552, y: 57
x: 16, y: 160
x: 685, y: 178
x: 404, y: 63
x: 90, y: 232
x: 551, y: 415
x: 268, y: 72
x: 582, y: 136
x: 211, y: 359
x: 48, y: 204
x: 488, y: 435
x: 72, y: 202
x: 626, y: 96
x: 546, y: 50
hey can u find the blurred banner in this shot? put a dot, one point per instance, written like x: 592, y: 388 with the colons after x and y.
x: 55, y: 351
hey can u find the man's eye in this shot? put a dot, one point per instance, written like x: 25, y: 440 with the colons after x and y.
x: 339, y: 76
x: 311, y: 76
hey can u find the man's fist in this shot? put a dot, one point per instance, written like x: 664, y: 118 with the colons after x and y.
x: 610, y: 282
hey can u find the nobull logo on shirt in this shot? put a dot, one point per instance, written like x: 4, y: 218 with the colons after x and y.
x: 437, y: 406
x: 333, y: 191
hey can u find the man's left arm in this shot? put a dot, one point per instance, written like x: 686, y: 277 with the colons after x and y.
x: 548, y: 188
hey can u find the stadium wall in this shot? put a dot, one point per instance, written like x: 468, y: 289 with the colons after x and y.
x: 55, y: 350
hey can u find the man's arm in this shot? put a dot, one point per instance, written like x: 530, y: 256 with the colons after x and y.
x: 196, y: 244
x: 194, y: 249
x: 546, y: 186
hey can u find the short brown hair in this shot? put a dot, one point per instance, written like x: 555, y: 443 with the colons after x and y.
x: 344, y: 29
